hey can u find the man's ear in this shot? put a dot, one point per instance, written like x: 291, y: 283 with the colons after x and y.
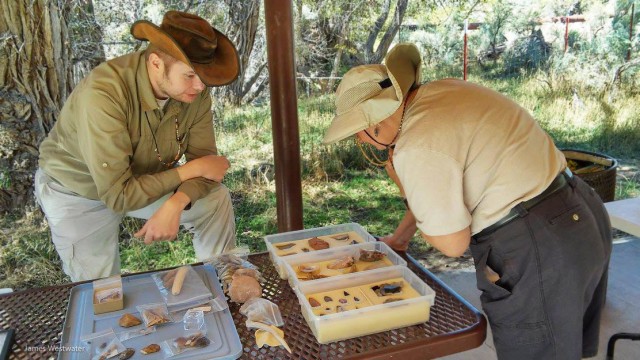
x: 155, y: 62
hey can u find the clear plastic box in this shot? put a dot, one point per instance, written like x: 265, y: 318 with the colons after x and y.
x: 356, y: 234
x: 370, y: 314
x: 323, y: 258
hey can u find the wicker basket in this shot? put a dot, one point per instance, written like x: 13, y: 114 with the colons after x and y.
x: 597, y: 170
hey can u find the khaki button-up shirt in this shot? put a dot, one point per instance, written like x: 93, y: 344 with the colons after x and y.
x: 102, y: 146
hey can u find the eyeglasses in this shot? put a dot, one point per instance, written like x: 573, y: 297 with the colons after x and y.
x: 179, y: 141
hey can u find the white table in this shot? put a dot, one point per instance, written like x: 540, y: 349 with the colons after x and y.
x: 625, y: 215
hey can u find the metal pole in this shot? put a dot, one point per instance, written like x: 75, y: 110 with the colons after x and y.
x: 284, y: 113
x: 566, y: 33
x: 633, y: 7
x: 465, y: 61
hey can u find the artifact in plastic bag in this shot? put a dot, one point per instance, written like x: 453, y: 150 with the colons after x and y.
x: 176, y: 287
x: 150, y: 349
x: 128, y: 320
x: 103, y: 345
x: 219, y: 303
x: 236, y: 255
x: 130, y: 334
x: 266, y: 338
x: 154, y: 314
x: 226, y: 264
x: 106, y: 295
x: 184, y: 343
x: 278, y: 335
x: 181, y: 286
x: 127, y: 354
x: 243, y: 288
x: 240, y: 278
x: 263, y: 311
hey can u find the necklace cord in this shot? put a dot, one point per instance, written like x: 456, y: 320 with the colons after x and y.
x: 179, y: 141
x: 376, y: 161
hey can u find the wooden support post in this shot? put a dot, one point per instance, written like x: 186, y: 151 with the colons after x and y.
x: 284, y: 113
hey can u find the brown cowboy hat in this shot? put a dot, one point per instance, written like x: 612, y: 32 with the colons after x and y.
x: 192, y: 40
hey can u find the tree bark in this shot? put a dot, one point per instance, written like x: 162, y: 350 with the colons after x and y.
x: 35, y: 80
x: 244, y: 17
x: 86, y: 40
x: 375, y: 56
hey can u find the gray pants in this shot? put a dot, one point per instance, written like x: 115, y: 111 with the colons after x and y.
x: 553, y: 264
x: 85, y: 232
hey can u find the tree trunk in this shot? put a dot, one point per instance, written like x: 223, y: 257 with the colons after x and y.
x: 375, y: 56
x: 244, y: 17
x: 86, y: 40
x: 35, y: 80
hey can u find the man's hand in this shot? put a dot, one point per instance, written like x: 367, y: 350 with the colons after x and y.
x: 396, y: 243
x: 212, y: 167
x: 164, y: 224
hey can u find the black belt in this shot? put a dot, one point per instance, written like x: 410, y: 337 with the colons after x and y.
x: 558, y: 183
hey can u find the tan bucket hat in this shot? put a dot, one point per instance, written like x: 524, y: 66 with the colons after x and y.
x: 369, y: 94
x: 192, y: 40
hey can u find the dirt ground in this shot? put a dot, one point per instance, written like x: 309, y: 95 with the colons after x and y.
x: 628, y: 170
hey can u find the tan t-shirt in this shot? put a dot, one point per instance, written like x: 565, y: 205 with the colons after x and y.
x: 467, y: 155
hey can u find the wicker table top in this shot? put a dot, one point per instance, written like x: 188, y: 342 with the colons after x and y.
x: 38, y: 316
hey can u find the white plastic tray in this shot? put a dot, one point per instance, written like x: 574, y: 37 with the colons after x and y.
x: 270, y: 240
x: 292, y: 262
x: 366, y: 320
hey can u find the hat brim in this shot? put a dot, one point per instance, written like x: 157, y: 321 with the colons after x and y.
x: 359, y: 118
x: 224, y: 68
x: 403, y: 68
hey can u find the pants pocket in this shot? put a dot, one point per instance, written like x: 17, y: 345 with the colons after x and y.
x: 491, y: 291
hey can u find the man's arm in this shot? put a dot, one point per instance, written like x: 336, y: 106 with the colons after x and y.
x: 201, y: 143
x: 107, y: 151
x: 401, y: 237
x: 452, y: 245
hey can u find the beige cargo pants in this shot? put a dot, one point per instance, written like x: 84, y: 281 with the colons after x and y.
x: 85, y: 232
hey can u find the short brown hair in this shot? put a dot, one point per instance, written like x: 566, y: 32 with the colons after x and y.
x: 166, y: 58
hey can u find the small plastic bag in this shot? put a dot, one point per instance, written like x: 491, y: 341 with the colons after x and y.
x: 232, y: 264
x: 232, y: 260
x: 103, y: 345
x: 181, y: 286
x: 107, y: 290
x: 219, y: 303
x: 154, y: 314
x: 236, y: 255
x: 181, y: 344
x: 263, y: 311
x: 194, y: 322
x: 103, y: 296
x: 131, y: 334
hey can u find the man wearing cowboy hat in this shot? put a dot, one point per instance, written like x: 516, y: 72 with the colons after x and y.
x: 478, y: 171
x: 115, y: 148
